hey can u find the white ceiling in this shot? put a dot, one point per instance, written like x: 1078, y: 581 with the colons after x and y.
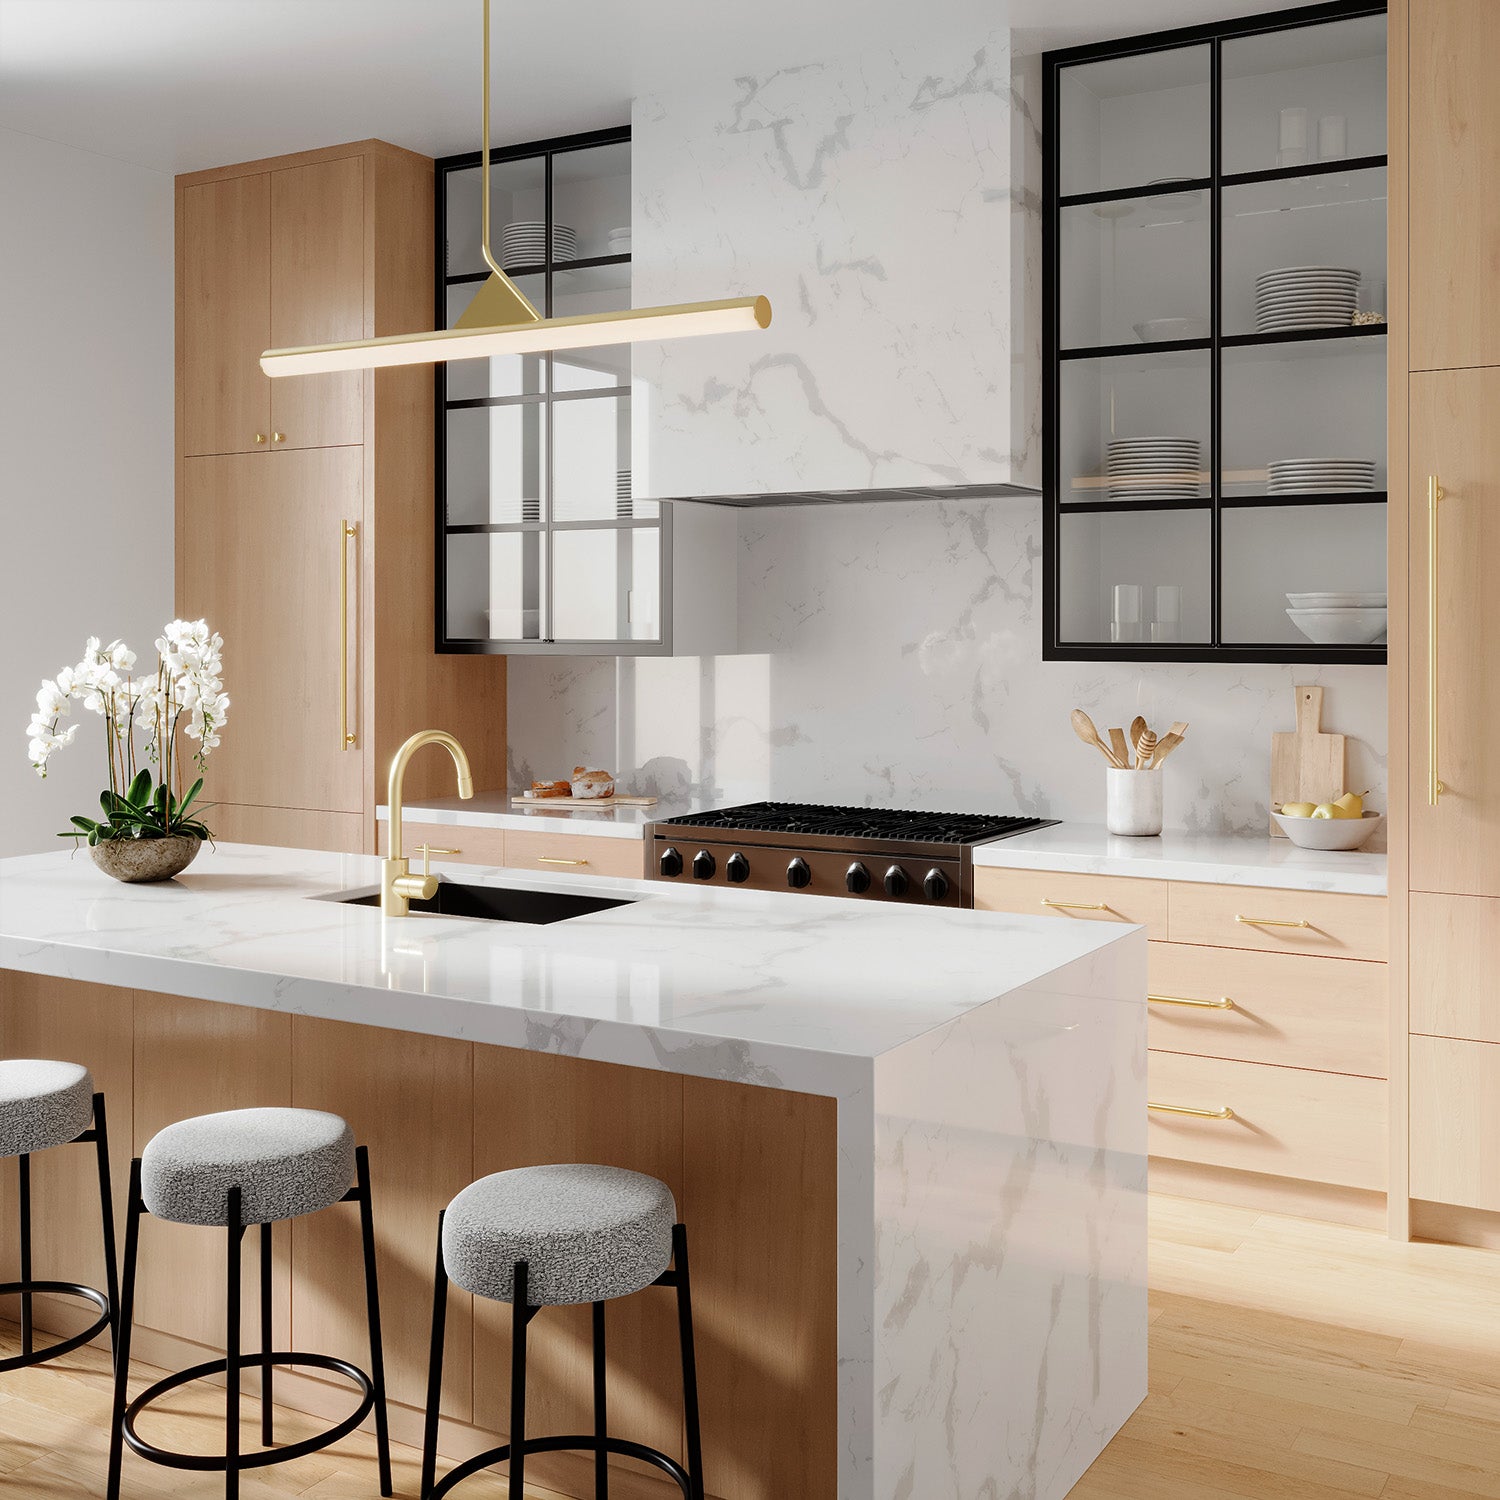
x: 177, y: 85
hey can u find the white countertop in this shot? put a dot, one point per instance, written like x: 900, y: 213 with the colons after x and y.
x: 497, y: 810
x: 712, y: 982
x: 1214, y: 859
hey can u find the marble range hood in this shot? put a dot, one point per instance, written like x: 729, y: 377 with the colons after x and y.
x: 887, y: 203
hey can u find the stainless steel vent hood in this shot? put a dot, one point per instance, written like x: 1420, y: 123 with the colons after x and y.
x: 888, y: 205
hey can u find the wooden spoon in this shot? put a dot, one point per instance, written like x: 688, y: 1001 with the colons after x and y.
x: 1083, y: 727
x: 1137, y: 728
x: 1165, y: 746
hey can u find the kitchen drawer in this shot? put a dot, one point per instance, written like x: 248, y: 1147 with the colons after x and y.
x: 1089, y: 898
x: 560, y: 853
x: 1312, y: 922
x: 1283, y: 1008
x: 470, y: 846
x: 1455, y: 1121
x: 1455, y: 966
x: 1321, y: 1127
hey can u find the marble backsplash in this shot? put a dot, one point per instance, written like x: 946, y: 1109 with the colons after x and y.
x: 892, y: 653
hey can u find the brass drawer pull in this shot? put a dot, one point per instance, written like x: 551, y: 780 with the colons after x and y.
x: 1222, y: 1113
x: 1075, y: 905
x: 547, y: 859
x: 1222, y: 1003
x: 1435, y: 496
x: 1269, y: 922
x: 347, y: 530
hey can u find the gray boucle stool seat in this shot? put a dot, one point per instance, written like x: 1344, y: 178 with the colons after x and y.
x: 43, y: 1104
x: 587, y: 1234
x: 553, y: 1236
x: 229, y: 1171
x: 285, y: 1162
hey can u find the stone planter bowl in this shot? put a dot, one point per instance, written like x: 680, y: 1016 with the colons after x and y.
x: 137, y: 861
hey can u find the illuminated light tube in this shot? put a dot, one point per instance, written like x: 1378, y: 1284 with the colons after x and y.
x: 584, y: 331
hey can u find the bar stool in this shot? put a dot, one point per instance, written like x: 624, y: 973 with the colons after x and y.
x: 230, y: 1170
x: 549, y: 1237
x: 46, y: 1104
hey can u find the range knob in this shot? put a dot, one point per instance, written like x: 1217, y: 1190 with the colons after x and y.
x: 671, y: 863
x: 895, y: 881
x: 798, y: 875
x: 856, y: 879
x: 737, y: 868
x: 704, y: 865
x: 935, y: 883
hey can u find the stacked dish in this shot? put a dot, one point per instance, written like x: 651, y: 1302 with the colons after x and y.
x: 525, y: 244
x: 1160, y: 330
x: 622, y: 492
x: 1298, y: 297
x: 1308, y: 476
x: 619, y: 241
x: 1339, y: 618
x: 1154, y: 468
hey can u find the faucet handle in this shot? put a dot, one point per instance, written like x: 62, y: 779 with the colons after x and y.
x: 427, y: 851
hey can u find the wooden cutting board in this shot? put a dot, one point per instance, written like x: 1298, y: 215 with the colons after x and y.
x: 1306, y: 765
x: 569, y: 803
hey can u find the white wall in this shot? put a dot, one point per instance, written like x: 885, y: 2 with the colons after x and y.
x: 86, y: 376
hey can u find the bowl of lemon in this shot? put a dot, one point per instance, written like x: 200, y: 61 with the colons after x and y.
x: 1341, y: 824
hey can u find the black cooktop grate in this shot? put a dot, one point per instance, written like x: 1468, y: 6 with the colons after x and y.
x: 801, y: 818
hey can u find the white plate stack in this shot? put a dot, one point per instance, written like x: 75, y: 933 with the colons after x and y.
x: 1154, y: 468
x: 525, y: 244
x: 1311, y: 476
x: 1294, y: 298
x: 1339, y: 617
x: 619, y: 241
x: 622, y: 493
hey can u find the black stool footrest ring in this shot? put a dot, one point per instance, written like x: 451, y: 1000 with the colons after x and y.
x: 620, y: 1446
x: 64, y: 1346
x: 216, y: 1462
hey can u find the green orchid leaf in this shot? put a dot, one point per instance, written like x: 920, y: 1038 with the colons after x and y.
x: 139, y: 794
x: 88, y: 825
x: 192, y: 792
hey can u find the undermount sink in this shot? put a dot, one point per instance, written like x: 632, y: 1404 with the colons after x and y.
x: 490, y: 903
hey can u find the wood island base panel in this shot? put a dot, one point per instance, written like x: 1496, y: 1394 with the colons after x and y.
x: 909, y: 1148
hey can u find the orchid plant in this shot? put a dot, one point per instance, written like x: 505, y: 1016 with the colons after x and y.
x: 145, y: 717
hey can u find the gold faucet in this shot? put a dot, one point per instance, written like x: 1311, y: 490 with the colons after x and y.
x: 398, y: 886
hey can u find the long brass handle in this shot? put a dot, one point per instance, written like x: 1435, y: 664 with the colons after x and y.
x: 1270, y: 922
x: 347, y: 530
x: 1222, y: 1003
x: 427, y: 851
x: 1435, y: 788
x: 547, y: 859
x: 1222, y: 1113
x: 1075, y: 905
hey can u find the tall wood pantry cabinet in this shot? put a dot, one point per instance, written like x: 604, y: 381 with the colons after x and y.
x: 304, y: 524
x: 1445, y: 618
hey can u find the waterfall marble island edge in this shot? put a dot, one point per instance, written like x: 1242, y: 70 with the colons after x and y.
x: 988, y: 1074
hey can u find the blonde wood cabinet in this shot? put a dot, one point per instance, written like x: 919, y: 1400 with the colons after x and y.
x: 465, y: 846
x: 1313, y: 923
x: 1455, y: 956
x: 1455, y: 1122
x: 1080, y: 898
x: 322, y: 246
x: 574, y: 853
x: 1453, y: 231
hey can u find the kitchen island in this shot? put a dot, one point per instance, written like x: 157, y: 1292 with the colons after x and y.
x: 909, y: 1145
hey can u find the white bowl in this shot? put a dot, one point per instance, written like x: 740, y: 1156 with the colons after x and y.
x: 1328, y: 833
x: 1159, y: 330
x: 1340, y: 627
x: 1335, y: 600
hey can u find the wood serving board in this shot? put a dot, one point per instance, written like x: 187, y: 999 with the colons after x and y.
x: 615, y: 801
x: 1306, y: 765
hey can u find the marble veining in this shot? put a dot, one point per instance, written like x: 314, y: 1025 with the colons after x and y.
x: 989, y: 1073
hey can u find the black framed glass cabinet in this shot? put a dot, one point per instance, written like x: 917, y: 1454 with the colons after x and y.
x: 542, y: 547
x: 1214, y: 359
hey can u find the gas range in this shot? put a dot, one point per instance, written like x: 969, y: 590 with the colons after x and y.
x: 873, y: 854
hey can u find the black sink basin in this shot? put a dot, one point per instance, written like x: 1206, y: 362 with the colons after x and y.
x: 492, y: 903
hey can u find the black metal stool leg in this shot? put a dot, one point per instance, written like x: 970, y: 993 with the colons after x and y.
x: 123, y: 1320
x: 267, y: 1394
x: 689, y: 1360
x: 372, y: 1301
x: 27, y: 1337
x: 435, y: 1368
x: 520, y: 1316
x: 107, y: 1221
x: 601, y: 1415
x: 232, y: 1349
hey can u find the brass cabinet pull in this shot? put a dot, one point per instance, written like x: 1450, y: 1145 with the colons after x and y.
x: 1075, y: 905
x: 1222, y: 1113
x: 1435, y: 494
x: 547, y: 859
x: 278, y: 437
x: 1270, y: 922
x: 1222, y: 1003
x: 260, y: 437
x: 347, y: 530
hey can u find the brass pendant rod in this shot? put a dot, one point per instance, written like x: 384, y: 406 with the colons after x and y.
x: 484, y: 181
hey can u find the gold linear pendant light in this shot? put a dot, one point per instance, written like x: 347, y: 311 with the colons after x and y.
x: 501, y: 320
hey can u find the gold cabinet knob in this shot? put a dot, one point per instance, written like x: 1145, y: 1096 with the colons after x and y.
x: 278, y: 437
x: 260, y: 437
